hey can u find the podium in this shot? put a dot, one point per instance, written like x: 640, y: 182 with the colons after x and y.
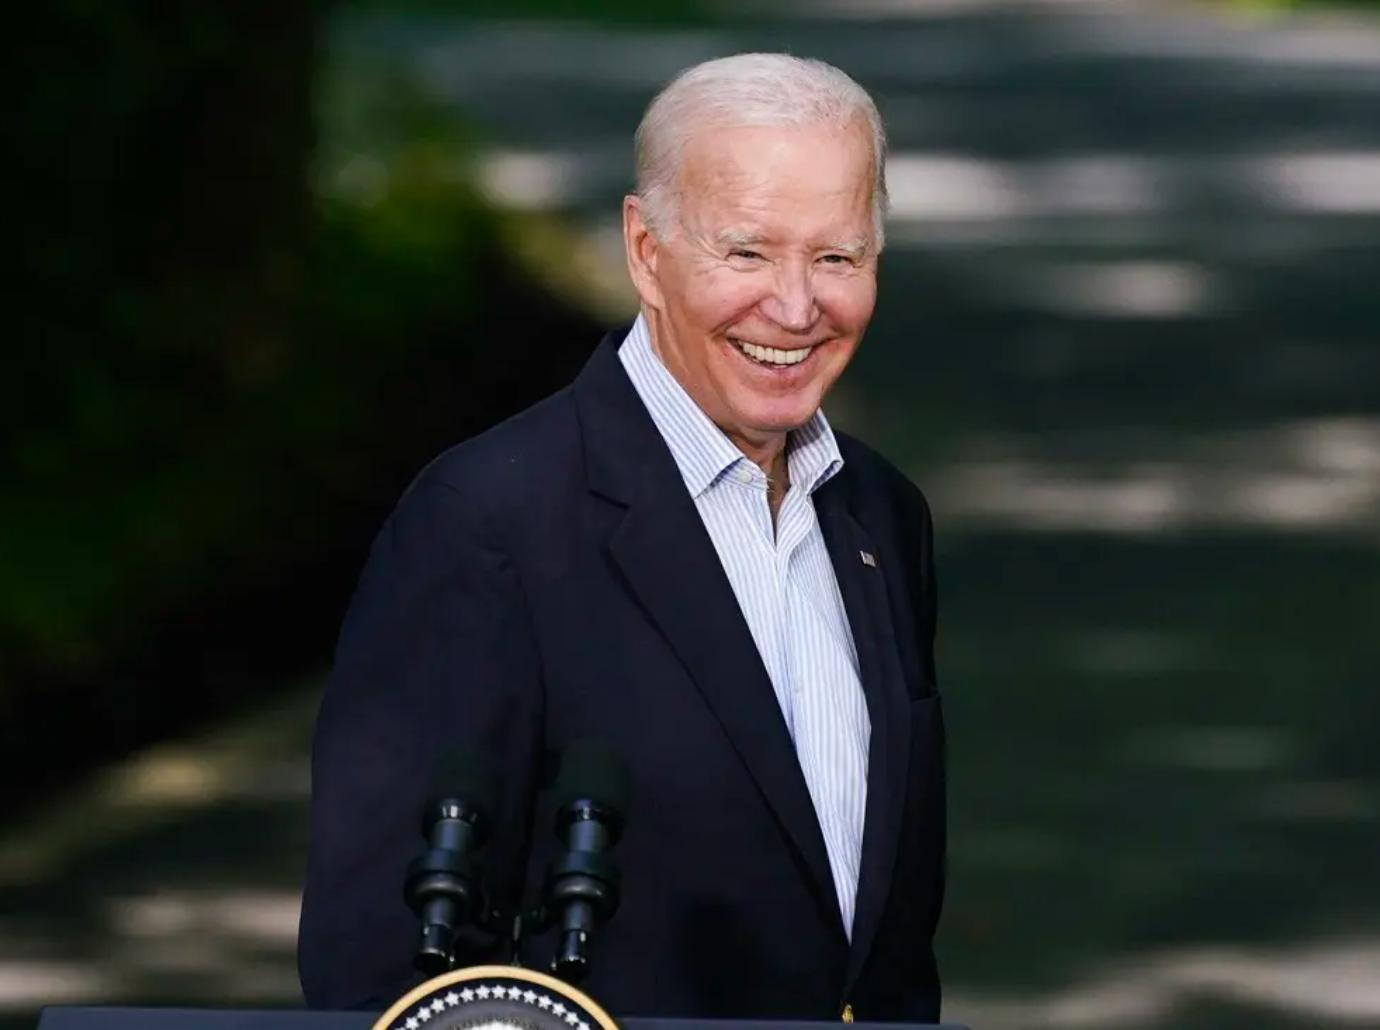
x: 97, y: 1018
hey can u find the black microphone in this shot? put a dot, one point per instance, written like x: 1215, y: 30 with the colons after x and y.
x: 443, y: 884
x: 582, y: 885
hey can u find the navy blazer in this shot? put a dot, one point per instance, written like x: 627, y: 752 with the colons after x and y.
x: 551, y: 579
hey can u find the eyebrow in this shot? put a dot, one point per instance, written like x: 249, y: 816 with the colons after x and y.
x: 739, y: 238
x: 857, y: 247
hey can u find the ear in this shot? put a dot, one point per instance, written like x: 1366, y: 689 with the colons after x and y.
x: 642, y: 249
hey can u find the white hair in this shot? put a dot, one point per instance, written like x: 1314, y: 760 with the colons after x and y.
x: 748, y: 90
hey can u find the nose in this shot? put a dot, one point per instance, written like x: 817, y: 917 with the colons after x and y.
x: 792, y: 301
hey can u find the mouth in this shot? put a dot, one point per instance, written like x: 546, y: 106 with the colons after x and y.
x: 771, y: 357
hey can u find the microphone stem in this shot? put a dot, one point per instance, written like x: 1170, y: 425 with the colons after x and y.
x: 572, y: 961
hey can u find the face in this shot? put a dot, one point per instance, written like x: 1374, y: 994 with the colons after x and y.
x: 760, y: 292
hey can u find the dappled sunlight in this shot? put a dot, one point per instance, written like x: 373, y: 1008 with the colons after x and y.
x: 921, y: 9
x: 931, y: 190
x: 1324, y: 980
x: 1109, y: 655
x: 168, y: 778
x: 534, y: 181
x: 929, y: 187
x: 260, y: 760
x: 1124, y: 289
x: 1308, y: 475
x: 1232, y: 749
x: 938, y: 186
x: 1273, y: 45
x: 1323, y: 182
x: 172, y: 834
x: 460, y: 55
x: 1037, y: 496
x: 1317, y: 800
x: 28, y: 984
x: 256, y: 916
x: 220, y: 945
x: 147, y: 791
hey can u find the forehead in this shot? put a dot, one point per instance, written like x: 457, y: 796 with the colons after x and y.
x: 751, y: 178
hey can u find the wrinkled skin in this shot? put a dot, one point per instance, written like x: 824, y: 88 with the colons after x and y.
x: 771, y: 244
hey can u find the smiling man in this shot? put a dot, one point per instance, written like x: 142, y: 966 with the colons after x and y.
x: 678, y: 555
x: 757, y: 264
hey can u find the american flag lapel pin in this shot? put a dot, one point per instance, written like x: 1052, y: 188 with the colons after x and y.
x: 868, y: 559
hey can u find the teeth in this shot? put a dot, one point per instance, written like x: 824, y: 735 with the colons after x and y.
x: 772, y: 355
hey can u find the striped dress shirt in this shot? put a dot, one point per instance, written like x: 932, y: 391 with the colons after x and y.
x: 787, y: 591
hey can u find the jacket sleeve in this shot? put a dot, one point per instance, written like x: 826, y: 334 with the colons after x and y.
x: 927, y: 601
x: 436, y: 651
x: 915, y: 526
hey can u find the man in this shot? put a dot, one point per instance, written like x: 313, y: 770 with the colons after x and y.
x: 678, y: 555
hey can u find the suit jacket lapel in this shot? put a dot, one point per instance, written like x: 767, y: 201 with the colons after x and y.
x: 670, y: 564
x: 864, y: 591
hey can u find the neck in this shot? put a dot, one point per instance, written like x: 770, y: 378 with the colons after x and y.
x: 768, y: 454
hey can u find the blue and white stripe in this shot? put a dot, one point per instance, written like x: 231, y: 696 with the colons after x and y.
x: 787, y: 591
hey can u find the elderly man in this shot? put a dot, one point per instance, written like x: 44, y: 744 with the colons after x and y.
x: 678, y: 555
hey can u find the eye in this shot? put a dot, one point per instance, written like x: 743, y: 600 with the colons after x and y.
x: 751, y: 255
x: 836, y: 259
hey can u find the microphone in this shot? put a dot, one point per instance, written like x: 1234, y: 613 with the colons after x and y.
x: 582, y: 885
x: 443, y: 884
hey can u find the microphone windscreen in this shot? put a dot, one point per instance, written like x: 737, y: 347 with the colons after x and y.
x: 462, y: 774
x: 593, y: 771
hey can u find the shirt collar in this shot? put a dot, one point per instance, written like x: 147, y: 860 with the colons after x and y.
x: 701, y: 450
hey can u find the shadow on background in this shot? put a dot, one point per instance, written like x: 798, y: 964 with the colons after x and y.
x: 1126, y: 341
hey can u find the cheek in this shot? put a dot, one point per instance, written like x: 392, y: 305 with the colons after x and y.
x: 848, y: 301
x: 724, y: 296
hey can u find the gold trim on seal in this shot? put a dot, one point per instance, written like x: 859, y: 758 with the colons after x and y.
x: 530, y: 976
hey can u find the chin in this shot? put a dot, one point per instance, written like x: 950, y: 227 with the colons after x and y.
x: 770, y: 419
x: 766, y: 403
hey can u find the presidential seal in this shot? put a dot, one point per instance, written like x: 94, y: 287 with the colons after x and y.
x: 495, y: 998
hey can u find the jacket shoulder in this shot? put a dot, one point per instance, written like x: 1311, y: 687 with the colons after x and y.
x: 532, y: 453
x: 877, y: 479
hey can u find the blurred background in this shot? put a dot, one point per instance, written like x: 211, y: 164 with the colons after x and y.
x: 273, y: 257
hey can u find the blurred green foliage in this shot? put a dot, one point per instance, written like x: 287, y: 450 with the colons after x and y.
x: 1302, y: 5
x: 153, y: 304
x: 254, y: 299
x: 623, y: 12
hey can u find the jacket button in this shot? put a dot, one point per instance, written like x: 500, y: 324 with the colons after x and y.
x: 847, y: 1014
